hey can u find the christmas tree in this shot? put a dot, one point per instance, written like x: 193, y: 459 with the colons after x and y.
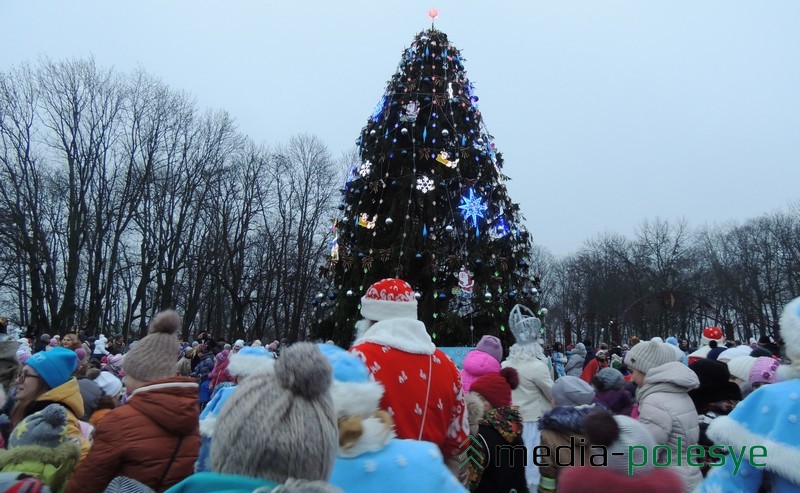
x: 427, y: 202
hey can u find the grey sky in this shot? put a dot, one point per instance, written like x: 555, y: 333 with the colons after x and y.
x: 607, y: 112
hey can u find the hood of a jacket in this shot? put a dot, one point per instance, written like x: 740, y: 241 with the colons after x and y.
x: 172, y: 403
x: 68, y: 394
x: 673, y: 377
x: 579, y: 349
x: 478, y: 363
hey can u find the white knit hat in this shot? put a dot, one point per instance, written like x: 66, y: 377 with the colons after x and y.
x: 648, y: 355
x: 388, y: 299
x: 740, y: 367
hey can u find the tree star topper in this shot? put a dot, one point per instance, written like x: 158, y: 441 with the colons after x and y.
x: 472, y: 207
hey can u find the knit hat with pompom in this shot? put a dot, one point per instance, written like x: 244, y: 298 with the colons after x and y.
x: 496, y: 387
x: 154, y: 357
x: 280, y: 424
x: 623, y: 437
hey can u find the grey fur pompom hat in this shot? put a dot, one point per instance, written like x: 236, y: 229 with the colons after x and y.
x: 280, y: 424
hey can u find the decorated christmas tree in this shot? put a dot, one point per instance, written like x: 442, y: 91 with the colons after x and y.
x: 427, y: 202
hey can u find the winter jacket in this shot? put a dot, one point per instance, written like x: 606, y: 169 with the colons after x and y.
x: 476, y: 364
x: 532, y: 396
x: 503, y: 467
x: 423, y: 386
x: 668, y: 413
x: 69, y: 396
x: 402, y: 466
x: 767, y: 418
x: 155, y: 435
x: 559, y: 360
x: 203, y: 369
x: 562, y: 427
x: 591, y: 370
x: 208, y: 422
x: 211, y: 482
x: 601, y: 479
x: 575, y: 363
x: 52, y: 465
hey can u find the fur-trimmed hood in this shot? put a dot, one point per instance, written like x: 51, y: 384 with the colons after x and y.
x: 566, y: 419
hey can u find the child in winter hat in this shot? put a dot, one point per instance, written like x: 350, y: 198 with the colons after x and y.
x: 247, y: 362
x: 278, y: 427
x: 767, y: 418
x: 370, y: 457
x: 739, y: 368
x: 764, y: 372
x: 40, y: 446
x: 625, y: 440
x: 500, y: 426
x: 609, y: 384
x: 562, y: 429
x: 484, y: 359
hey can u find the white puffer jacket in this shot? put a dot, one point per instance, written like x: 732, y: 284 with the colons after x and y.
x: 668, y: 412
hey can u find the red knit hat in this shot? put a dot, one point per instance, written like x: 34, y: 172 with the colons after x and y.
x: 496, y: 387
x: 387, y: 299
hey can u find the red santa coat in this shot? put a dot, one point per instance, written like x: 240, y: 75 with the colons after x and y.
x: 423, y: 386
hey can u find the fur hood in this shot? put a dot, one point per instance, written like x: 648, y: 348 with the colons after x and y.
x: 52, y: 465
x: 566, y: 419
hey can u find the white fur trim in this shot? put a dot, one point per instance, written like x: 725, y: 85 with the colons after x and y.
x: 782, y: 459
x: 243, y: 365
x: 207, y: 426
x: 378, y: 310
x: 790, y: 330
x: 356, y: 399
x: 400, y: 333
x: 375, y: 435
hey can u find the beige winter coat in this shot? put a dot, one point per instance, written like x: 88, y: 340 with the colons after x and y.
x: 532, y: 396
x: 668, y: 412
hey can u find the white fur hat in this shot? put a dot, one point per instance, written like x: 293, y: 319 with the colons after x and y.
x: 251, y: 361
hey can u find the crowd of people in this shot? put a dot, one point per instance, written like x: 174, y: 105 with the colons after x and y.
x: 392, y: 412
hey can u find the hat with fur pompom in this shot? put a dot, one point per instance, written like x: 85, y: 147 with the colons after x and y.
x: 153, y: 358
x: 496, y: 387
x: 296, y: 434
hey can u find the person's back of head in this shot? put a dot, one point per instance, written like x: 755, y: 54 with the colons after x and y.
x: 295, y: 433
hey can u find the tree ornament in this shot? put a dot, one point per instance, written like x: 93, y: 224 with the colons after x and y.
x: 365, y: 222
x: 372, y: 132
x: 411, y: 110
x: 349, y: 292
x: 466, y: 282
x: 424, y: 184
x: 487, y: 296
x: 444, y: 158
x: 472, y: 207
x: 388, y: 221
x: 417, y: 296
x: 534, y: 291
x: 404, y: 131
x: 543, y: 312
x: 365, y: 169
x: 445, y: 132
x: 449, y: 228
x: 320, y: 296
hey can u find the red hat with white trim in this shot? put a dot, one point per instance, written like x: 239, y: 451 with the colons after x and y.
x: 387, y: 299
x: 712, y: 334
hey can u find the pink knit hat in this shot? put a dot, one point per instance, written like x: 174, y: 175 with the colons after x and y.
x: 764, y: 371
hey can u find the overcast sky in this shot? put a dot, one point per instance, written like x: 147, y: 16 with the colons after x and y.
x: 607, y: 112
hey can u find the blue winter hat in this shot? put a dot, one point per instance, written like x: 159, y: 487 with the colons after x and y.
x: 55, y: 366
x: 672, y: 340
x: 251, y: 361
x: 346, y: 366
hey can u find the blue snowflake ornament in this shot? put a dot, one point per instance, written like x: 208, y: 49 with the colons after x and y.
x: 472, y: 207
